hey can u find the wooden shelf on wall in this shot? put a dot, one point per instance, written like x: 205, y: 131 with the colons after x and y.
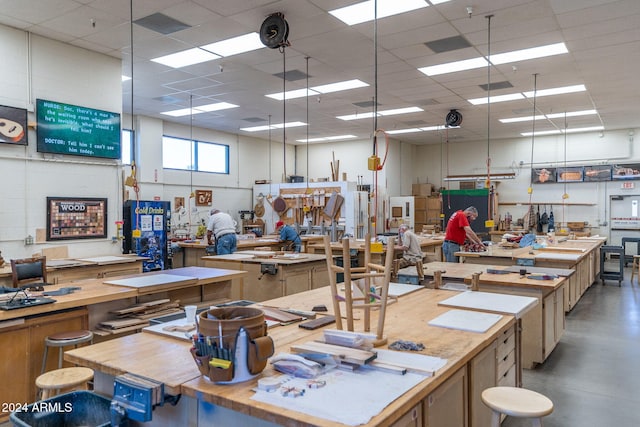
x: 545, y: 203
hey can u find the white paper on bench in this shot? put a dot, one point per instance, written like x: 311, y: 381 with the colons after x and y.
x: 150, y: 280
x: 516, y: 305
x: 398, y: 289
x: 471, y: 321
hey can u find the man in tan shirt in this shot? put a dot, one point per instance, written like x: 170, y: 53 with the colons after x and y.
x: 411, y: 251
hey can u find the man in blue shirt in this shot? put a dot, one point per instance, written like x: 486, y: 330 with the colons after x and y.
x: 289, y: 237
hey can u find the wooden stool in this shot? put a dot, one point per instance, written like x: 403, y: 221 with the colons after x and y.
x: 516, y: 402
x: 61, y: 340
x: 635, y: 266
x: 64, y: 379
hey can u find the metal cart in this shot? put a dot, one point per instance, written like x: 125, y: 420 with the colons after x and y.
x: 610, y: 274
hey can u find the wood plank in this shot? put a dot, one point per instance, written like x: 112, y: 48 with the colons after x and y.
x: 350, y: 355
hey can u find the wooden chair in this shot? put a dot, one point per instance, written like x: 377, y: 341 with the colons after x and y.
x: 516, y: 402
x: 28, y: 270
x: 359, y: 287
x: 64, y: 380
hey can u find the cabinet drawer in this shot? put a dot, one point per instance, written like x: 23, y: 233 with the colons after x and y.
x: 509, y: 378
x: 505, y: 363
x: 506, y: 343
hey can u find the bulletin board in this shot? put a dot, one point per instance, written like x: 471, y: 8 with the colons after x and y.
x: 76, y: 218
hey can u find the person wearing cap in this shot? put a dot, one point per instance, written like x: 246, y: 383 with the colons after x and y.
x: 289, y: 237
x: 222, y: 229
x: 458, y: 230
x: 411, y: 251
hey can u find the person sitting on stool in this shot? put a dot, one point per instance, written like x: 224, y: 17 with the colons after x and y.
x: 411, y: 251
x: 458, y: 229
x: 289, y: 237
x: 222, y: 226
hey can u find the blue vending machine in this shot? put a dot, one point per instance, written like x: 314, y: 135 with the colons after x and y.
x: 146, y: 229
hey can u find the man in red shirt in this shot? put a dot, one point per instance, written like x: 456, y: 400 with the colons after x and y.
x: 458, y: 230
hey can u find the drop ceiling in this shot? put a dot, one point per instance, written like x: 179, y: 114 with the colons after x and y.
x: 602, y: 36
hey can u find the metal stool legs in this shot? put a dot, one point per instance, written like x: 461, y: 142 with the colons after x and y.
x: 61, y: 340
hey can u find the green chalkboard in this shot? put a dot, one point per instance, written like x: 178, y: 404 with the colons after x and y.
x: 79, y: 131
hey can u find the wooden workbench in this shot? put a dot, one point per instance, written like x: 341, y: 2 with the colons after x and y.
x: 192, y: 252
x: 542, y: 326
x: 581, y: 255
x: 293, y: 273
x: 22, y: 331
x: 68, y: 269
x: 431, y: 247
x: 450, y: 397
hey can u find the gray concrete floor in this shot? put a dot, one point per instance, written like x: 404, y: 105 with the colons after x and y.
x: 593, y: 374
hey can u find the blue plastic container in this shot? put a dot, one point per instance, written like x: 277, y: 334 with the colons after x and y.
x: 74, y: 409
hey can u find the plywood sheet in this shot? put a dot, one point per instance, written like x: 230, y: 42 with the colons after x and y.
x: 150, y: 280
x: 559, y: 256
x: 465, y: 320
x: 489, y: 301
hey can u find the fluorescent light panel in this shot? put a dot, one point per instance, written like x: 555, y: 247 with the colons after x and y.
x: 393, y: 112
x: 555, y: 91
x: 209, y: 52
x: 401, y: 131
x: 423, y: 129
x: 291, y: 94
x: 522, y: 95
x: 274, y: 126
x: 328, y: 138
x: 549, y: 116
x: 186, y: 57
x: 495, y: 99
x: 200, y: 109
x: 235, y: 45
x: 317, y: 90
x: 530, y: 53
x: 501, y: 58
x: 559, y: 131
x: 365, y: 11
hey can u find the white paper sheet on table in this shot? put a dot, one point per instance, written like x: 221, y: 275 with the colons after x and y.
x: 465, y: 320
x: 351, y: 398
x: 398, y: 289
x: 149, y: 280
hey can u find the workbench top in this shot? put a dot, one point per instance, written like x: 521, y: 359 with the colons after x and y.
x: 259, y: 257
x: 464, y: 271
x: 95, y: 291
x: 147, y: 354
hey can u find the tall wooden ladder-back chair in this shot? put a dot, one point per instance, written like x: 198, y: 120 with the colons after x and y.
x: 360, y: 286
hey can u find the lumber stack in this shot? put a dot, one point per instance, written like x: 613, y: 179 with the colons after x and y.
x: 137, y: 316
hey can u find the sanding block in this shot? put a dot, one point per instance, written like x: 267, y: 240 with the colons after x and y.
x: 318, y: 322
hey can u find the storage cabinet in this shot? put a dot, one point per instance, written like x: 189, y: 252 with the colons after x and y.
x: 447, y: 406
x: 272, y: 277
x: 483, y: 373
x: 22, y: 348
